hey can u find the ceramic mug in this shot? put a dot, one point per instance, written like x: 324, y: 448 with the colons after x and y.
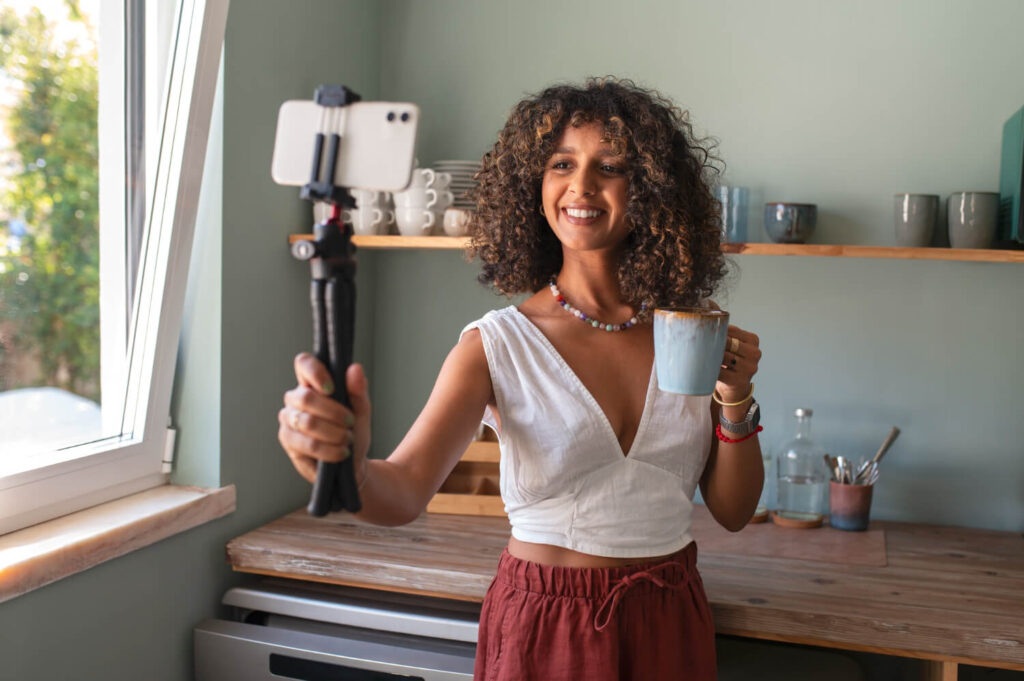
x: 422, y: 178
x: 735, y: 201
x: 369, y: 197
x: 689, y: 344
x: 972, y: 219
x: 366, y: 220
x: 441, y: 180
x: 414, y: 221
x: 790, y: 223
x: 915, y: 216
x: 456, y: 221
x: 416, y: 197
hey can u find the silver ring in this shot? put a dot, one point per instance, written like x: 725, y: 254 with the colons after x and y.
x: 734, y: 345
x: 295, y: 420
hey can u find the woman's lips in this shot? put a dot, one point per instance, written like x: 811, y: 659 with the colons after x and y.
x: 573, y: 220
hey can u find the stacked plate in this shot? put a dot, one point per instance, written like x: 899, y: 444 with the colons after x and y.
x: 462, y: 179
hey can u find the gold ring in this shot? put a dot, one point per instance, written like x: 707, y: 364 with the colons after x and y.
x: 734, y: 345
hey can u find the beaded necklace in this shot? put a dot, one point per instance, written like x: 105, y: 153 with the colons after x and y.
x: 593, y: 322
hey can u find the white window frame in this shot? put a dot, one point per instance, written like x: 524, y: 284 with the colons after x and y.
x: 69, y: 480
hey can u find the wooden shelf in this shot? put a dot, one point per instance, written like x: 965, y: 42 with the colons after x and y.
x: 820, y: 250
x: 826, y: 250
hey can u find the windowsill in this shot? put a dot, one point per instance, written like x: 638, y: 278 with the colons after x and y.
x: 38, y: 555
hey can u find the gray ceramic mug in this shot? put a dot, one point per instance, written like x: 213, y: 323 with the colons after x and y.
x: 972, y: 219
x: 915, y: 216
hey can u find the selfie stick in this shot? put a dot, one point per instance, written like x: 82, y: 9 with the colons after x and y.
x: 332, y: 294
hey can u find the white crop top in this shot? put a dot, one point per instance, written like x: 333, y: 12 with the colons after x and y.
x: 564, y: 479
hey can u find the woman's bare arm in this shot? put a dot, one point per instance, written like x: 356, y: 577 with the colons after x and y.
x: 395, y: 490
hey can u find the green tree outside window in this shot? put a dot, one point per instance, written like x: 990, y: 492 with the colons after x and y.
x: 49, y: 207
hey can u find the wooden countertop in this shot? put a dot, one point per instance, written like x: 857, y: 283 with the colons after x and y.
x: 950, y: 595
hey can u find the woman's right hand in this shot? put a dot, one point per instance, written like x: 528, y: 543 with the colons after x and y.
x: 315, y: 427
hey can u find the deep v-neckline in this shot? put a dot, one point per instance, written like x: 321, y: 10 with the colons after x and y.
x: 588, y: 396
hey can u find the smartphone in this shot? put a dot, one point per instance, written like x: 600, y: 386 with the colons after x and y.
x: 377, y: 150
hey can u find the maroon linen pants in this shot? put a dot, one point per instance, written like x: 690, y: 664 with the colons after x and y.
x: 640, y: 622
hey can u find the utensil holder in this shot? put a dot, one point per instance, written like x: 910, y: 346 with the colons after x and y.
x: 849, y: 506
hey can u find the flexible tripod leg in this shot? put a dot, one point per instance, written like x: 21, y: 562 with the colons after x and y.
x: 320, y: 500
x: 339, y: 299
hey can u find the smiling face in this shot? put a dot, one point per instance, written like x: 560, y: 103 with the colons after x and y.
x: 584, y: 190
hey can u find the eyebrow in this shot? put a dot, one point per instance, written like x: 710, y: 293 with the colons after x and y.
x: 571, y: 150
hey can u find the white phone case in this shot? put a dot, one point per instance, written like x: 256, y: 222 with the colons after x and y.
x: 377, y: 150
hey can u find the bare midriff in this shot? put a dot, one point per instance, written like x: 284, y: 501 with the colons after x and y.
x: 557, y: 556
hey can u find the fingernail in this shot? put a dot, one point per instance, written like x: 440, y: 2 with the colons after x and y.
x: 350, y: 420
x: 328, y: 386
x: 346, y: 453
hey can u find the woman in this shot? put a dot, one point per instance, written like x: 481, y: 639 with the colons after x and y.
x: 595, y: 199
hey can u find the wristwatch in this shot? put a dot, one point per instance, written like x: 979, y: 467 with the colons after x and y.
x: 745, y: 427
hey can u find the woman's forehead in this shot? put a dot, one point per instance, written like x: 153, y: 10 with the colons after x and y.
x: 590, y: 134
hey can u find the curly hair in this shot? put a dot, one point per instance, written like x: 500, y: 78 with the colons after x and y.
x: 672, y: 257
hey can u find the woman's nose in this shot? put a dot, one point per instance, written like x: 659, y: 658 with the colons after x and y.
x: 582, y: 183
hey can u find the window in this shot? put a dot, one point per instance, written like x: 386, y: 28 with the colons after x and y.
x: 100, y: 188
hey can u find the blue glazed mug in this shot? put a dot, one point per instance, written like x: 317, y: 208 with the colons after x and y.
x: 790, y: 223
x: 689, y: 344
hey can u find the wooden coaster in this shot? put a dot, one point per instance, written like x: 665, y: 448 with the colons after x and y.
x: 760, y: 515
x: 797, y: 520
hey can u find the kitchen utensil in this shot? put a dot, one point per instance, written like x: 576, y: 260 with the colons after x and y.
x: 843, y: 464
x: 833, y: 468
x: 863, y: 471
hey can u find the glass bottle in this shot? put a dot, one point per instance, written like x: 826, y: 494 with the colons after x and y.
x: 802, y: 474
x: 766, y: 502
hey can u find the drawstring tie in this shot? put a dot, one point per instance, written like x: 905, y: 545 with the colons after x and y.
x: 611, y: 601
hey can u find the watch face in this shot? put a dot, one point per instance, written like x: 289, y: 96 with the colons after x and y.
x: 754, y: 414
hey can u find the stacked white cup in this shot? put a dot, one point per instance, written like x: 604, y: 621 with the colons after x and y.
x: 419, y: 207
x: 371, y: 214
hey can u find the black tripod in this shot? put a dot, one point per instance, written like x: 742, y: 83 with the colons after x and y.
x: 333, y: 296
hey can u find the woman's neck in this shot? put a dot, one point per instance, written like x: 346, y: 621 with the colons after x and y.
x: 592, y: 286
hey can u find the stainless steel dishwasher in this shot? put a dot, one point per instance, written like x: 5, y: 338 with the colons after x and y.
x: 282, y: 629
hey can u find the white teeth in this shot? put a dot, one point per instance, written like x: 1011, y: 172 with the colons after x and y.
x: 576, y: 213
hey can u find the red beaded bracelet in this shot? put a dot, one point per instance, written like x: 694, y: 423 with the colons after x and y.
x: 724, y: 438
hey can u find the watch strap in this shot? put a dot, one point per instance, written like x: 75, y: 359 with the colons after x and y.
x: 744, y: 427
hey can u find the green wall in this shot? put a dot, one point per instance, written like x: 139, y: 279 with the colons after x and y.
x: 835, y: 103
x: 838, y: 104
x: 246, y: 316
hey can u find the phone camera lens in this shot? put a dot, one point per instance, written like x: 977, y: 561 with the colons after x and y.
x: 405, y: 117
x: 391, y: 116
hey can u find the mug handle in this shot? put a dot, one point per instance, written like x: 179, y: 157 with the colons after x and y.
x: 432, y: 202
x: 429, y: 175
x: 378, y: 217
x: 431, y: 219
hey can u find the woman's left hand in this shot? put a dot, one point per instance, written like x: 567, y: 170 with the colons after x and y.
x: 739, y: 364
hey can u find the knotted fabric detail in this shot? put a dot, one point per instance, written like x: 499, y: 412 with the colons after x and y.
x: 611, y: 602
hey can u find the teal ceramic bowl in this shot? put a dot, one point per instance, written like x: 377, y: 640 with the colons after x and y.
x: 790, y: 223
